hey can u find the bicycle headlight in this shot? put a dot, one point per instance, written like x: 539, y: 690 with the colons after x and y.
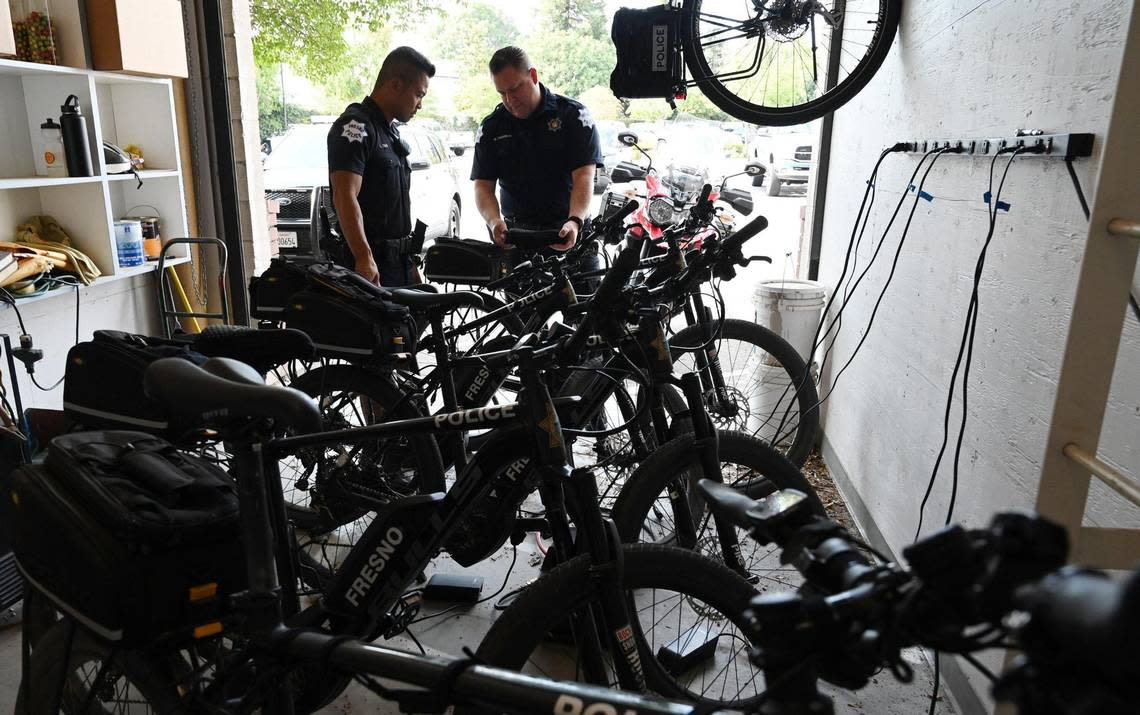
x: 661, y: 211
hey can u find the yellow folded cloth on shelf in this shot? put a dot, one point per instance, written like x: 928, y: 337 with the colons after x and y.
x: 49, y: 240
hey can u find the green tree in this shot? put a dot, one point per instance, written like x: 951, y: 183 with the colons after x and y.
x: 584, y: 17
x: 271, y: 116
x: 602, y: 103
x: 355, y: 74
x: 569, y: 63
x: 469, y: 37
x: 309, y: 35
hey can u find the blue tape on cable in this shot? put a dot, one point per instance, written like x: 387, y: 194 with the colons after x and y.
x: 911, y: 188
x: 924, y: 195
x: 1001, y: 205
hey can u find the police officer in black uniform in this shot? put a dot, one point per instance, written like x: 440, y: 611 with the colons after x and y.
x: 541, y: 148
x: 369, y: 172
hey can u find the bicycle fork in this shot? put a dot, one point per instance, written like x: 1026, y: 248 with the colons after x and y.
x: 708, y: 358
x: 607, y: 619
x: 705, y: 438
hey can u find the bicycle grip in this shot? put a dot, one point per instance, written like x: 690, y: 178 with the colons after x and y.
x: 750, y: 229
x: 617, y: 219
x: 530, y: 240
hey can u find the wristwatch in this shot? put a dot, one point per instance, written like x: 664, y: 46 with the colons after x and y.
x: 576, y: 220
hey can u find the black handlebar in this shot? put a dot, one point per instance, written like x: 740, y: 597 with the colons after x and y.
x: 1078, y: 642
x: 531, y: 240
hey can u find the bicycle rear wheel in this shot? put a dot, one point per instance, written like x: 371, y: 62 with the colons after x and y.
x: 768, y: 63
x: 122, y: 681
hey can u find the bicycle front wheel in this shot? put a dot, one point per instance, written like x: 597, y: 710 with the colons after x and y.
x: 663, y: 491
x: 674, y: 598
x: 768, y: 62
x: 768, y: 389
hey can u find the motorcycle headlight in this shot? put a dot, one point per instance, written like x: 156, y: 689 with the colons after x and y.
x: 661, y: 211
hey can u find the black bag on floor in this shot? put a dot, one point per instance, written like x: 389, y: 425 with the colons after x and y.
x: 270, y: 292
x: 649, y: 62
x: 465, y: 261
x: 103, y: 382
x: 131, y: 537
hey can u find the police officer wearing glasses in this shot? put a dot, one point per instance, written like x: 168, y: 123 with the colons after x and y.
x: 541, y: 148
x: 369, y: 171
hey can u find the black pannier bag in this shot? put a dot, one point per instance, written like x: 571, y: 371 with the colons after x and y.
x: 353, y: 330
x: 103, y: 382
x: 649, y: 62
x: 133, y: 538
x: 466, y: 261
x: 270, y: 292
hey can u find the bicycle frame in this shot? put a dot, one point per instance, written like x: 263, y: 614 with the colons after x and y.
x: 402, y: 539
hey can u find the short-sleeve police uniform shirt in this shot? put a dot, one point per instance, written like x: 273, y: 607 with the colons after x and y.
x: 363, y: 141
x: 533, y: 158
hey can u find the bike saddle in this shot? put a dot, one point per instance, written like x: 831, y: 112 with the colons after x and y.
x: 222, y: 390
x: 261, y: 349
x: 419, y: 299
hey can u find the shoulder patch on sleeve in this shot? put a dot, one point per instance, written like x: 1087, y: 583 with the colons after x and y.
x: 354, y: 131
x: 584, y: 116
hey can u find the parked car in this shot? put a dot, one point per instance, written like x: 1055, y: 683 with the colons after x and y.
x: 298, y: 167
x: 611, y: 152
x: 786, y: 156
x: 459, y: 141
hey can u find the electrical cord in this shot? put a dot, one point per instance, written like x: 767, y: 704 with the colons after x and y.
x: 937, y: 154
x: 514, y: 558
x: 967, y: 340
x: 11, y: 300
x: 857, y: 231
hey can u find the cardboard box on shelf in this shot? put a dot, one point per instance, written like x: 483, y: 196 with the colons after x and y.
x: 138, y: 37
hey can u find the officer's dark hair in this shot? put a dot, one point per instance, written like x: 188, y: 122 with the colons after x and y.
x: 510, y: 56
x: 405, y: 63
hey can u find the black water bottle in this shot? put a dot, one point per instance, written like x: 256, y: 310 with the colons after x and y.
x: 75, y: 146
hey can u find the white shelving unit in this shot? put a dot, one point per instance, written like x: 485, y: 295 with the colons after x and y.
x: 118, y: 108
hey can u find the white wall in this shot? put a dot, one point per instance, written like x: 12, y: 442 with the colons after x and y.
x: 129, y: 304
x: 964, y: 68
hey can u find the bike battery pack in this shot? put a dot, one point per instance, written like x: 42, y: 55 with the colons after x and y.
x: 457, y: 588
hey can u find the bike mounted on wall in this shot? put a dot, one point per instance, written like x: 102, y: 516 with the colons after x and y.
x: 779, y: 62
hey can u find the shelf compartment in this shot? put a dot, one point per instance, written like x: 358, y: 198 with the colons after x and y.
x: 161, y: 197
x: 139, y: 113
x: 81, y: 210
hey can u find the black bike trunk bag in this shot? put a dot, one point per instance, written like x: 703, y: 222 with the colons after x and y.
x: 103, y: 382
x: 465, y: 261
x: 129, y: 536
x: 350, y: 330
x: 649, y: 62
x: 270, y: 292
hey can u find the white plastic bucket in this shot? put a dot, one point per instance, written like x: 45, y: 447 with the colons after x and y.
x: 791, y: 308
x: 771, y: 402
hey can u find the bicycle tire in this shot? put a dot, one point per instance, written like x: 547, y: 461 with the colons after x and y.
x: 643, y: 511
x: 138, y: 673
x: 614, y: 457
x: 729, y: 102
x: 520, y: 631
x: 796, y: 433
